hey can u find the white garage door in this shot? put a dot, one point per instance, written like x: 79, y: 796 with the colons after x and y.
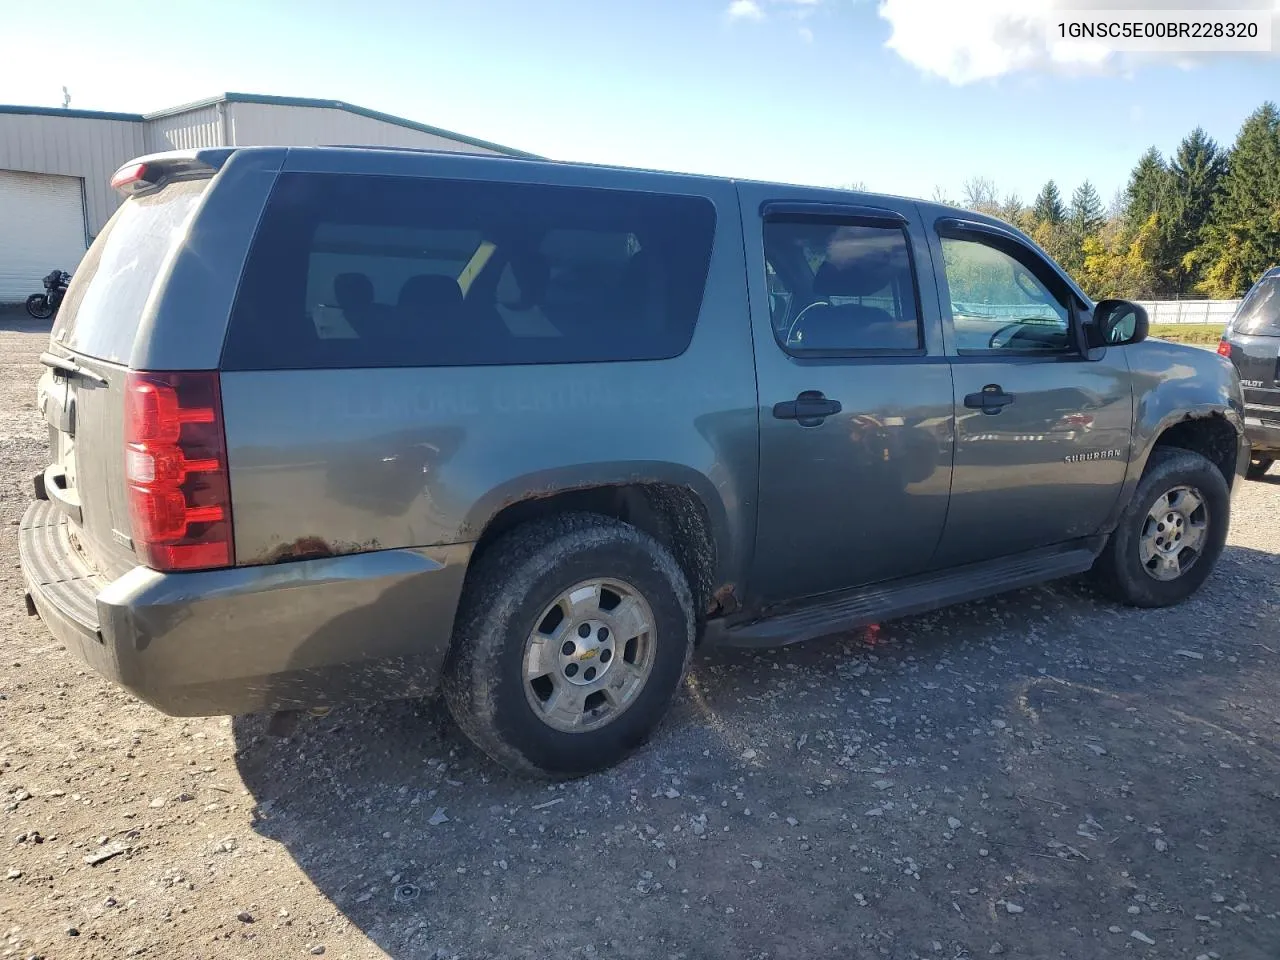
x: 41, y: 229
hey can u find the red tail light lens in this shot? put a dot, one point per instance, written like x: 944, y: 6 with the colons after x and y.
x: 1224, y: 349
x: 130, y: 177
x: 176, y: 470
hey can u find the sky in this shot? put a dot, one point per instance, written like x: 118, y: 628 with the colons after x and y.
x: 899, y: 96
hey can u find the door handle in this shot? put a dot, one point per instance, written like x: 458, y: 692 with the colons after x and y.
x: 809, y: 409
x: 990, y: 399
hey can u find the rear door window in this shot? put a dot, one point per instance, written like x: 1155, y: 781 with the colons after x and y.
x: 104, y: 305
x: 366, y: 271
x: 841, y: 288
x: 1259, y: 312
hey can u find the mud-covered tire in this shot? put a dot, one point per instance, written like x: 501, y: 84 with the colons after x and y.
x: 1119, y: 571
x: 1258, y: 467
x: 508, y: 588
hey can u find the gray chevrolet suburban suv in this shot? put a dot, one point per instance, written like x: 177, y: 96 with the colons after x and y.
x: 350, y: 424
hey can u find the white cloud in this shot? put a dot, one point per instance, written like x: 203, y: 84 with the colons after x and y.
x: 963, y: 42
x: 744, y: 10
x: 806, y: 34
x: 755, y: 9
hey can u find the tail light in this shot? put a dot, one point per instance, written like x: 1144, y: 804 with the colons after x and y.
x: 1224, y: 349
x: 176, y: 471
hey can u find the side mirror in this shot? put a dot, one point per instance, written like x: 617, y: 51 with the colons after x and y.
x: 1117, y: 323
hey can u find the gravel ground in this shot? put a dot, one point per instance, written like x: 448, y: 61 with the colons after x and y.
x: 1040, y: 775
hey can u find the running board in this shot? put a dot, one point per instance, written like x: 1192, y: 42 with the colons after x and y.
x: 900, y: 598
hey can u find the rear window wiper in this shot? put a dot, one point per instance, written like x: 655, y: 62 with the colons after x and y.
x: 70, y: 368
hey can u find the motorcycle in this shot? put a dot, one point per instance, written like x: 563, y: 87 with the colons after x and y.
x: 42, y: 306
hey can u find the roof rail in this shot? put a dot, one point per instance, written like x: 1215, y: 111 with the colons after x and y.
x: 394, y: 149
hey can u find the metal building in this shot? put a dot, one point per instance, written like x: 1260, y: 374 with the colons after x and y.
x: 56, y: 164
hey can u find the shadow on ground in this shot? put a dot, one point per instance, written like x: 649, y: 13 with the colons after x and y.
x: 14, y: 317
x: 1041, y: 774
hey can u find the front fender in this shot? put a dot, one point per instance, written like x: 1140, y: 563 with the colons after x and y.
x: 1172, y: 384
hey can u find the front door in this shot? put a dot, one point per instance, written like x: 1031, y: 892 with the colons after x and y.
x: 855, y: 395
x: 1042, y: 424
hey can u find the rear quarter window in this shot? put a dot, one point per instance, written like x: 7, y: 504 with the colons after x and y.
x: 368, y: 271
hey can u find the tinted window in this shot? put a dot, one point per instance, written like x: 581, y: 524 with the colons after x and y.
x: 1259, y: 312
x: 998, y: 303
x: 840, y: 287
x: 104, y: 305
x: 355, y: 271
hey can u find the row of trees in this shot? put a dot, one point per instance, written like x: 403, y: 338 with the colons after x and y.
x: 1204, y: 222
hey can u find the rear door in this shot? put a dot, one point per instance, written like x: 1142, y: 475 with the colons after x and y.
x: 1254, y: 335
x: 856, y: 425
x: 81, y: 394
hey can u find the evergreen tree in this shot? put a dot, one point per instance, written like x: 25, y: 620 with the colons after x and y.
x: 1048, y: 206
x: 1195, y: 174
x: 1148, y: 188
x: 1086, y: 211
x: 1150, y: 194
x: 1242, y: 237
x: 1011, y: 210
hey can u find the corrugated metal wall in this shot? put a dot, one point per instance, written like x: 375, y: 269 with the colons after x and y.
x: 90, y: 149
x: 201, y: 127
x: 289, y: 126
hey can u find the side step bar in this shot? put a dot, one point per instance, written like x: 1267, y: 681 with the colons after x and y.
x: 848, y: 609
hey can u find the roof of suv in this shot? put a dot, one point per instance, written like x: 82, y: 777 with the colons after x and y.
x: 217, y: 156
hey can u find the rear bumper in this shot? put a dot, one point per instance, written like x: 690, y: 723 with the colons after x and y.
x: 1262, y: 429
x: 365, y: 627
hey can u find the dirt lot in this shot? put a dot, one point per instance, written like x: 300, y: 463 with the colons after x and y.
x: 1041, y: 775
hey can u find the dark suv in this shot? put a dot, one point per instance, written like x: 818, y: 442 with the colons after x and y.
x: 343, y: 424
x: 1252, y: 343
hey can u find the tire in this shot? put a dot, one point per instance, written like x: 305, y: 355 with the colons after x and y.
x: 514, y: 591
x: 1120, y: 571
x: 38, y: 306
x: 1258, y: 467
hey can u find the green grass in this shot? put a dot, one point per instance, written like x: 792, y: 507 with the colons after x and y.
x: 1199, y: 333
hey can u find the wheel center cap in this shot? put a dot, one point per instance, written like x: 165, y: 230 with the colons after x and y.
x: 587, y: 652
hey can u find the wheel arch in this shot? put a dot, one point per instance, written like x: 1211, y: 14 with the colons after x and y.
x: 1211, y: 435
x: 680, y: 509
x: 1216, y: 432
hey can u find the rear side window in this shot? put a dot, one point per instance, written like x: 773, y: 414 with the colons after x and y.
x: 365, y: 271
x: 1259, y: 312
x: 841, y: 288
x: 104, y: 306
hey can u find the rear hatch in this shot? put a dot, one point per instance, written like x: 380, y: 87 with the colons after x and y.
x: 82, y: 391
x: 1254, y: 339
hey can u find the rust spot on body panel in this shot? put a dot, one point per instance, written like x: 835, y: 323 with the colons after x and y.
x: 312, y: 548
x: 724, y: 600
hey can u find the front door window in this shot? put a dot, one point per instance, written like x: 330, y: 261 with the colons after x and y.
x: 997, y: 303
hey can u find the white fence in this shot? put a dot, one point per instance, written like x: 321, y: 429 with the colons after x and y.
x: 1190, y: 311
x: 1158, y: 311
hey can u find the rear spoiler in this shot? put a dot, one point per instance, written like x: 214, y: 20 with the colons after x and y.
x: 153, y: 171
